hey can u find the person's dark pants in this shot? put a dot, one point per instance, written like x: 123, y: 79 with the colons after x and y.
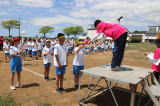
x: 118, y: 52
x: 1, y: 47
x: 156, y: 74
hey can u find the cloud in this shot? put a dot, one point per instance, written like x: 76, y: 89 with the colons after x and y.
x: 4, y: 2
x: 36, y: 3
x: 40, y: 21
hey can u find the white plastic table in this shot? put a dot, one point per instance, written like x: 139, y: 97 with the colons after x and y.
x: 130, y: 76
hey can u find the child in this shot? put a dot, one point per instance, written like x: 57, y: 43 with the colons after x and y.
x: 40, y: 47
x: 78, y: 62
x: 6, y: 50
x: 156, y: 55
x: 60, y: 61
x: 29, y: 45
x: 34, y: 49
x: 47, y: 59
x: 119, y: 34
x: 15, y: 62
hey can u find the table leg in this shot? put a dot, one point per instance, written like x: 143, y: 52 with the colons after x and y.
x: 133, y: 89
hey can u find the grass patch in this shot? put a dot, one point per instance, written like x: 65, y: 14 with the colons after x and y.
x: 143, y: 47
x: 8, y: 100
x: 43, y: 104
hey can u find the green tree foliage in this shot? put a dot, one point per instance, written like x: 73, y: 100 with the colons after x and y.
x: 136, y: 39
x: 10, y: 24
x: 46, y: 29
x: 75, y: 30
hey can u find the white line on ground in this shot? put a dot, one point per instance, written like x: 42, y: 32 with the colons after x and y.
x: 33, y: 72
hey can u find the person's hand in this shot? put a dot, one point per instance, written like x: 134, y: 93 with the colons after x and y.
x: 145, y: 54
x: 59, y: 65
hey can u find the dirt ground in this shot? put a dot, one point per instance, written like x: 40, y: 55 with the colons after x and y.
x: 37, y: 90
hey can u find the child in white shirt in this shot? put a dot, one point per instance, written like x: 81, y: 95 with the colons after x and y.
x: 47, y: 59
x: 60, y: 61
x: 78, y: 62
x: 6, y: 46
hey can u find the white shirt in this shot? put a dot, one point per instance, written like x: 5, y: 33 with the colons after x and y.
x: 34, y: 47
x: 6, y: 46
x: 48, y: 58
x: 40, y: 46
x: 14, y: 50
x: 61, y: 51
x: 79, y: 59
x: 29, y: 44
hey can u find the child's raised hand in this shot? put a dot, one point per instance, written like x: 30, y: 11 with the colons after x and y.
x: 145, y: 54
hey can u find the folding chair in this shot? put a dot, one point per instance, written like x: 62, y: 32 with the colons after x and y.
x: 152, y: 90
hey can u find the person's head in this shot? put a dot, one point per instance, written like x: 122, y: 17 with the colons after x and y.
x: 48, y: 43
x: 29, y: 39
x: 34, y: 40
x: 39, y: 40
x: 96, y: 22
x: 15, y: 41
x: 158, y: 43
x: 6, y: 41
x: 80, y: 42
x: 61, y: 38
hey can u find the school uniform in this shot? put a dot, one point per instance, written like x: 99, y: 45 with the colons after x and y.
x: 61, y: 51
x: 78, y: 62
x: 29, y: 47
x: 6, y: 46
x: 15, y: 61
x: 34, y: 49
x: 47, y: 60
x: 40, y: 47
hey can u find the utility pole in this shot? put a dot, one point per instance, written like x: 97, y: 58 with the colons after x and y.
x: 19, y: 27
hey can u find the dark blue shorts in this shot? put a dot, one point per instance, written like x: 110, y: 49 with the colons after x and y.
x: 47, y: 65
x: 26, y: 50
x: 6, y: 54
x: 39, y: 51
x: 60, y: 71
x: 76, y: 69
x: 30, y: 52
x: 34, y: 53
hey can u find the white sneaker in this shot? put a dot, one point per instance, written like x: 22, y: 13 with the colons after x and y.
x: 19, y: 86
x: 12, y: 87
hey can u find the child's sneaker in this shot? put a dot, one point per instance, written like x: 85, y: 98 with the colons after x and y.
x: 61, y: 89
x: 76, y: 87
x: 58, y: 90
x: 12, y: 87
x: 19, y: 86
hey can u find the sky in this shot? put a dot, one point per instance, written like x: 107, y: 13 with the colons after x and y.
x: 138, y: 14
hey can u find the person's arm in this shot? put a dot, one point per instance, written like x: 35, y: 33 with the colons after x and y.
x: 94, y: 37
x: 58, y: 62
x: 77, y: 51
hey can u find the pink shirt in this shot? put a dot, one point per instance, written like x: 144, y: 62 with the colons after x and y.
x: 111, y: 30
x: 156, y: 56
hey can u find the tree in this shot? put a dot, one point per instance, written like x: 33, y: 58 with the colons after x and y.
x: 46, y: 29
x: 10, y: 24
x: 77, y: 30
x: 67, y: 31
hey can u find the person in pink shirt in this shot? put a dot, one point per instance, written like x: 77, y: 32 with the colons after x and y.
x: 157, y: 56
x: 119, y: 34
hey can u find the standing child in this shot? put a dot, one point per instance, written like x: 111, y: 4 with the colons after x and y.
x: 6, y: 50
x: 47, y: 59
x: 29, y: 45
x: 78, y: 62
x: 15, y: 62
x: 34, y: 49
x: 60, y: 61
x: 119, y: 34
x: 40, y: 47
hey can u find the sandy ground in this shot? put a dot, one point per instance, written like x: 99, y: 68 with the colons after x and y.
x: 37, y: 90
